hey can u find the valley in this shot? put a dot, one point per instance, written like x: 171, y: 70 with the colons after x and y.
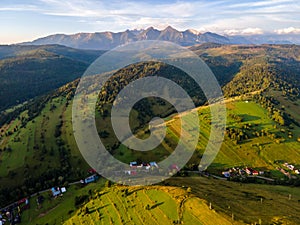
x: 38, y: 150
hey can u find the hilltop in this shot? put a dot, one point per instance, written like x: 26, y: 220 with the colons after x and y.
x: 192, y: 200
x: 261, y: 83
x: 30, y: 71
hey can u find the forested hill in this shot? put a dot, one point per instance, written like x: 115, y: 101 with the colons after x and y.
x: 253, y: 68
x: 30, y: 71
x: 40, y: 132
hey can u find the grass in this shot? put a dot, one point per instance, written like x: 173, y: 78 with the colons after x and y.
x: 291, y: 107
x: 246, y: 153
x: 29, y: 137
x: 192, y: 213
x: 244, y: 200
x: 146, y: 205
x: 35, y: 146
x: 257, y: 152
x: 55, y: 211
x: 248, y: 203
x: 165, y: 202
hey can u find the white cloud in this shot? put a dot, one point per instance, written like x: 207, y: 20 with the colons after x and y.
x: 245, y: 17
x: 19, y: 8
x: 246, y: 31
x: 261, y: 3
x: 289, y: 30
x: 250, y: 31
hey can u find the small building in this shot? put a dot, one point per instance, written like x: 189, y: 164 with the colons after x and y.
x: 90, y: 179
x: 63, y: 190
x: 55, y: 191
x: 226, y: 174
x: 249, y: 171
x: 23, y: 204
x: 133, y: 164
x: 154, y: 164
x: 291, y: 167
x: 92, y: 171
x: 255, y: 173
x: 140, y: 166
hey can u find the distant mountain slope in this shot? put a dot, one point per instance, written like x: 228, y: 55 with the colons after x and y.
x: 276, y: 67
x: 29, y: 71
x: 108, y: 40
x: 87, y: 56
x: 248, y: 68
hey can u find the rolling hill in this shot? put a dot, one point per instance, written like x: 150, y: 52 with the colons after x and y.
x: 30, y: 71
x: 261, y: 83
x: 189, y: 199
x: 152, y: 205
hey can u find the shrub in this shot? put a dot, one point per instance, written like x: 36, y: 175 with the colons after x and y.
x: 79, y: 200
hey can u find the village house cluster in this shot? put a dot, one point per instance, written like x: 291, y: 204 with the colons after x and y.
x: 235, y: 171
x: 292, y: 168
x: 134, y: 167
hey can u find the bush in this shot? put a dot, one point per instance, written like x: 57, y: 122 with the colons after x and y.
x: 79, y: 200
x: 107, y: 183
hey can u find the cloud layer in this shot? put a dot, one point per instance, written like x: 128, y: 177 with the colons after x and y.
x: 224, y: 16
x: 289, y: 30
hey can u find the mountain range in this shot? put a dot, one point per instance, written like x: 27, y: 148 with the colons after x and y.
x: 108, y: 40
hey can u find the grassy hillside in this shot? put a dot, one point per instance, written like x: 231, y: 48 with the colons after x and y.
x: 39, y: 152
x: 38, y: 149
x: 47, y: 143
x: 124, y: 205
x: 250, y: 203
x: 187, y: 199
x: 149, y: 205
x: 253, y: 139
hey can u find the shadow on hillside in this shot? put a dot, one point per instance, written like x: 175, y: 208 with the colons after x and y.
x: 248, y: 118
x: 99, y: 208
x: 156, y: 205
x: 135, y: 190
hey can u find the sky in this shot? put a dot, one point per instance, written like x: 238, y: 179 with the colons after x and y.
x: 26, y: 20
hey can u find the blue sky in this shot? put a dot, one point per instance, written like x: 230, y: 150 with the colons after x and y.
x: 23, y: 20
